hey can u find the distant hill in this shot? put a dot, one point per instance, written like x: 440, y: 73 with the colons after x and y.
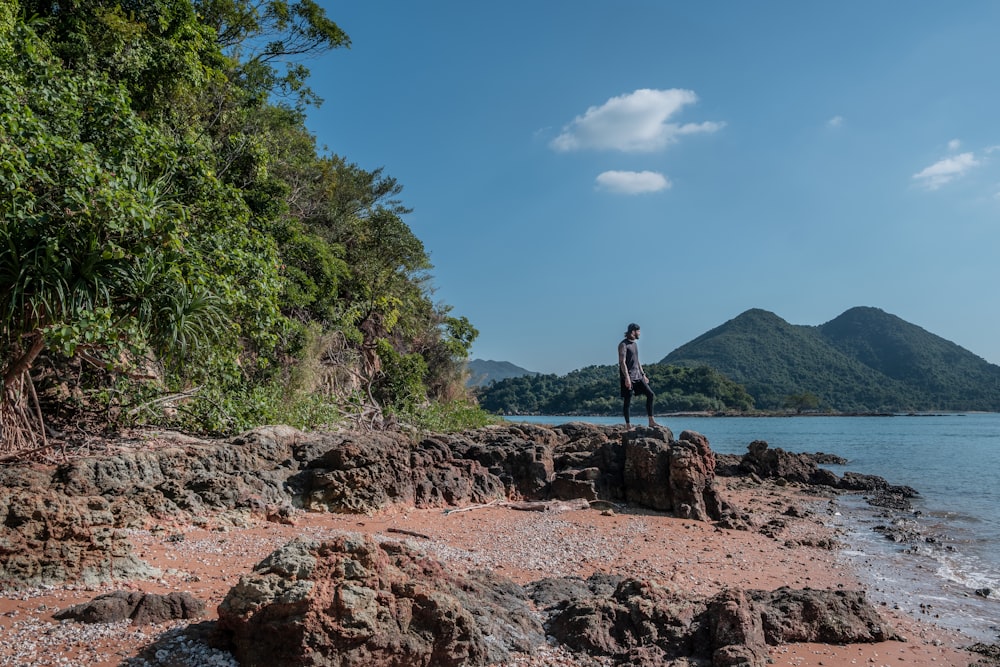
x: 864, y: 360
x: 482, y: 372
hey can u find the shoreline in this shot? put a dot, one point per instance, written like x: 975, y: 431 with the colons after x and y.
x: 691, y: 556
x: 756, y: 415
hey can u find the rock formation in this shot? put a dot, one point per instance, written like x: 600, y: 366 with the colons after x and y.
x: 645, y: 623
x: 47, y: 536
x: 354, y: 602
x: 140, y: 608
x: 63, y: 524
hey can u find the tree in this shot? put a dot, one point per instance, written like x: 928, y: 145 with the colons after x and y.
x: 258, y: 34
x: 90, y: 231
x: 802, y: 402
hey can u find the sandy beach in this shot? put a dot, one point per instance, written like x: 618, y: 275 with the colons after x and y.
x: 525, y: 545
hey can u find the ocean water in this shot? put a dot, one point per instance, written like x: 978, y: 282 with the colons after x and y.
x: 952, y: 460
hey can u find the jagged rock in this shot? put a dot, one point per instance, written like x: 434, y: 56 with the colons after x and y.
x: 141, y: 608
x: 439, y: 479
x: 353, y: 602
x: 671, y: 475
x: 637, y: 614
x: 556, y: 592
x: 589, y: 463
x: 48, y: 537
x: 825, y: 616
x: 187, y: 477
x: 692, y: 478
x: 358, y: 473
x: 880, y: 493
x: 519, y: 454
x: 737, y: 631
x: 643, y: 623
x: 777, y: 463
x: 646, y: 477
x: 728, y: 465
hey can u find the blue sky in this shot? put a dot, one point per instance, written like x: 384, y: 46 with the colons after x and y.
x: 574, y: 166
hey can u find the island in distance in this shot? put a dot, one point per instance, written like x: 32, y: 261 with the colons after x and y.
x: 863, y: 361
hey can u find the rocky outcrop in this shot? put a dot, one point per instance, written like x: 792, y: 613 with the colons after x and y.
x: 520, y: 455
x: 765, y: 462
x: 879, y: 492
x: 140, y: 608
x: 48, y: 536
x: 354, y: 602
x: 362, y: 473
x: 589, y: 463
x: 692, y: 478
x: 762, y: 462
x: 644, y: 623
x: 647, y: 466
x: 62, y: 524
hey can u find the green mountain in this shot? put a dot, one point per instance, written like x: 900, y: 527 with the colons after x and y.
x: 483, y: 372
x: 864, y: 360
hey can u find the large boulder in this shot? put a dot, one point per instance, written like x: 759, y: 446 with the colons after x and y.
x: 351, y: 601
x: 639, y: 623
x: 820, y: 616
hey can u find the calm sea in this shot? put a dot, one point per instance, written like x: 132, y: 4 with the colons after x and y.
x: 952, y: 460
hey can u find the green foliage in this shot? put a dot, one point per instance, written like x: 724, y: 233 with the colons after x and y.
x: 446, y: 417
x: 89, y: 221
x: 168, y: 220
x: 401, y: 384
x: 802, y: 402
x: 863, y: 361
x: 595, y: 390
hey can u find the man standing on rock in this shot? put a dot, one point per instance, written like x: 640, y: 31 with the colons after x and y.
x: 633, y: 378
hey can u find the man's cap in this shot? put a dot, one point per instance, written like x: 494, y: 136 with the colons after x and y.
x: 633, y: 327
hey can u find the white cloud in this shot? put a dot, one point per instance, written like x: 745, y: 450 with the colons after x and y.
x: 954, y: 144
x: 636, y: 122
x: 946, y: 170
x: 633, y: 182
x: 836, y: 121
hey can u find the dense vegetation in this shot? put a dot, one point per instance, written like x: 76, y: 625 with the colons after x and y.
x: 595, y: 391
x: 174, y: 248
x: 865, y: 360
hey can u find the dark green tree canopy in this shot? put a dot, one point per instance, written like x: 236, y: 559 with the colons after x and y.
x: 594, y: 390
